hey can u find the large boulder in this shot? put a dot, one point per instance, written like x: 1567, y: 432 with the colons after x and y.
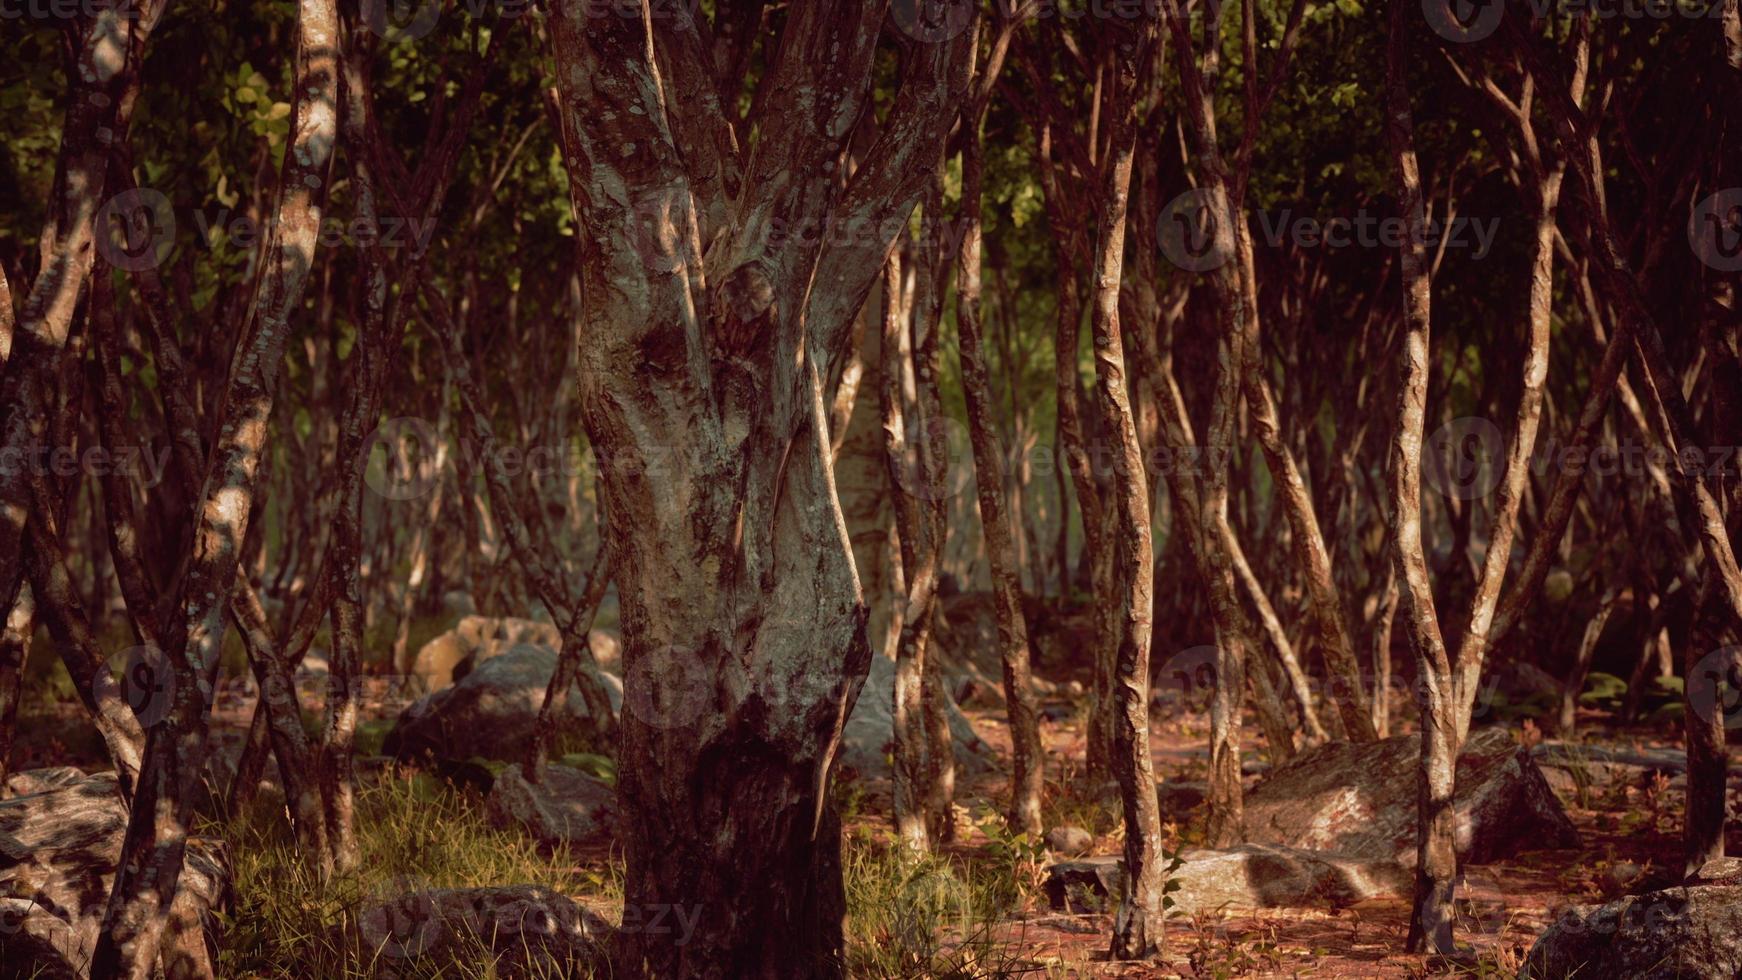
x: 58, y: 851
x: 566, y: 806
x: 1359, y: 800
x: 869, y: 735
x: 525, y: 930
x: 1685, y: 933
x: 1247, y: 876
x: 447, y: 658
x: 490, y: 712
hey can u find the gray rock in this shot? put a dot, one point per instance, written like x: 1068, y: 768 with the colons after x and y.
x: 1069, y: 841
x: 458, y: 602
x: 1084, y: 885
x: 1684, y: 933
x: 566, y: 806
x: 869, y: 735
x: 58, y: 851
x: 1181, y: 796
x: 1246, y: 876
x: 525, y: 929
x: 33, y: 781
x: 1359, y: 800
x: 491, y: 711
x: 475, y: 639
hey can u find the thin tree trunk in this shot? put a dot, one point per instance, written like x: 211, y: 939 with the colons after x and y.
x: 1436, y: 856
x: 1575, y: 682
x: 1026, y: 758
x: 14, y: 653
x: 152, y: 851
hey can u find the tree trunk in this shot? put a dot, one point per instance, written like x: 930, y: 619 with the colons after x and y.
x: 1436, y: 856
x: 743, y: 631
x: 1019, y: 701
x: 162, y: 812
x: 1138, y: 924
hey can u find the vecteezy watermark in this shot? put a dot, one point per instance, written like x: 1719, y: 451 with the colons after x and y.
x: 1193, y: 237
x: 136, y: 230
x: 146, y: 680
x: 136, y: 462
x: 410, y: 20
x: 1715, y: 230
x: 667, y: 687
x: 405, y: 925
x: 67, y: 9
x: 403, y: 458
x: 1468, y: 21
x: 1464, y: 458
x: 932, y: 21
x: 1714, y: 687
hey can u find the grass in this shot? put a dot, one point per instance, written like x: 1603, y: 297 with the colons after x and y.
x: 907, y: 918
x: 932, y: 916
x: 414, y: 834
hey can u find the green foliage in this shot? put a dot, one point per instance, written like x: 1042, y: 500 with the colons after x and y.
x: 925, y: 917
x: 414, y: 833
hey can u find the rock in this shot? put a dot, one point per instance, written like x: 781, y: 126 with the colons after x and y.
x: 1359, y: 800
x: 566, y: 806
x: 1180, y: 796
x: 1084, y: 885
x: 525, y: 929
x: 475, y: 639
x: 58, y: 851
x: 458, y: 602
x: 490, y: 712
x: 869, y: 735
x: 1247, y: 876
x: 1269, y: 876
x: 1069, y: 841
x: 33, y: 781
x: 1686, y: 933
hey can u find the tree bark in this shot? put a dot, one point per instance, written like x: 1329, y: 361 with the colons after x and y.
x: 1026, y: 757
x: 1436, y: 856
x: 1138, y: 924
x: 157, y: 829
x: 743, y: 631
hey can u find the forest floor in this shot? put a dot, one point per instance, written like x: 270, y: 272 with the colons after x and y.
x: 995, y: 922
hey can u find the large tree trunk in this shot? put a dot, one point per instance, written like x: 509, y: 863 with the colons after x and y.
x: 743, y: 632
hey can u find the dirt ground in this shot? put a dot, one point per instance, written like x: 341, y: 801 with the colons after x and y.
x: 1629, y: 832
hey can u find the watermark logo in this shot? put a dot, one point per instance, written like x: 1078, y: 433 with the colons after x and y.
x: 1191, y: 673
x: 1463, y: 21
x: 135, y: 230
x: 1714, y: 687
x: 1715, y: 230
x: 1462, y: 459
x: 659, y: 224
x: 666, y: 687
x: 945, y: 477
x: 404, y: 925
x: 402, y: 459
x: 932, y: 21
x: 146, y: 680
x: 396, y: 20
x: 1191, y: 235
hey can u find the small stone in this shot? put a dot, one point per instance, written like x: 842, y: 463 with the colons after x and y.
x: 1069, y: 841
